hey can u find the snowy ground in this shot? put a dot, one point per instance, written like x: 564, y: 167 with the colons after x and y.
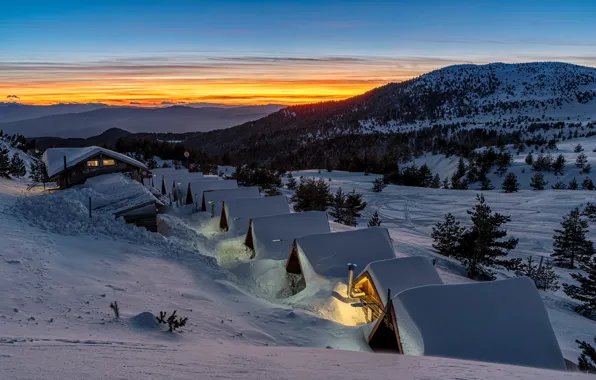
x: 59, y: 270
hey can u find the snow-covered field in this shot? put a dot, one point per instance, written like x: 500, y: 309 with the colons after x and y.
x: 59, y: 271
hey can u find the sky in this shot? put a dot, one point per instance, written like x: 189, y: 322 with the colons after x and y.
x: 150, y: 53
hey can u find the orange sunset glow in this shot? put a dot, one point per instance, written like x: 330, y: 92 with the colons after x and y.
x: 233, y: 81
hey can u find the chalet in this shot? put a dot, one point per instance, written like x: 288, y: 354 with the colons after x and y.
x: 73, y: 166
x: 271, y: 237
x: 214, y: 199
x: 396, y: 275
x: 335, y: 255
x: 236, y: 213
x: 501, y: 321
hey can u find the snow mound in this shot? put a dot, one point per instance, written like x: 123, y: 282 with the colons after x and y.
x: 145, y: 320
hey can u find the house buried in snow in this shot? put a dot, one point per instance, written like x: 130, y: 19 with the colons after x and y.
x: 213, y: 199
x: 197, y: 187
x: 398, y: 274
x: 329, y: 254
x: 236, y: 213
x: 72, y: 166
x: 271, y: 237
x: 500, y: 321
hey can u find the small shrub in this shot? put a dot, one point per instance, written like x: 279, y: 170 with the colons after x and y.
x: 173, y: 321
x: 115, y: 309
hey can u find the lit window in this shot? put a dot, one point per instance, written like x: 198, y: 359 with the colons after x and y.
x: 109, y: 162
x: 93, y: 163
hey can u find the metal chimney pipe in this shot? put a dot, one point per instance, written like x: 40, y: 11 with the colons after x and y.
x: 350, y: 278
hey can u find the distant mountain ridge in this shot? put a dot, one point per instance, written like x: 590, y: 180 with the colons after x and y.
x: 135, y: 119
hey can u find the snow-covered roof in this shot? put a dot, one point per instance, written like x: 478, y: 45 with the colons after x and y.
x: 273, y: 235
x: 217, y: 197
x: 197, y: 187
x: 54, y: 157
x: 115, y: 193
x: 500, y: 321
x: 329, y: 253
x: 239, y: 211
x: 399, y: 274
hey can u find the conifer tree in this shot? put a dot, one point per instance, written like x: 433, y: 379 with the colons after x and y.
x: 586, y: 291
x: 581, y: 161
x: 537, y: 182
x: 378, y: 185
x: 338, y: 207
x: 559, y: 165
x: 17, y: 166
x: 486, y: 184
x: 272, y: 191
x: 587, y: 359
x: 312, y: 195
x: 447, y: 236
x: 570, y: 242
x: 291, y: 184
x: 174, y: 192
x: 354, y: 207
x: 4, y: 163
x: 375, y: 220
x: 426, y: 176
x: 436, y: 183
x: 573, y: 185
x: 163, y: 186
x: 483, y: 244
x: 544, y: 276
x: 578, y: 148
x: 529, y: 159
x: 587, y: 168
x: 445, y: 184
x: 510, y: 184
x: 34, y: 174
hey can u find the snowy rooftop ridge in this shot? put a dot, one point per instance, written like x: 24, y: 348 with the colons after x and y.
x: 458, y: 321
x: 330, y: 253
x: 54, y: 157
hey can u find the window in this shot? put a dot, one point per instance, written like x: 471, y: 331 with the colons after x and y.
x: 93, y: 163
x: 108, y: 162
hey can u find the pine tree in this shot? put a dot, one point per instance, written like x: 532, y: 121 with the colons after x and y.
x: 486, y: 184
x: 312, y: 195
x: 354, y: 206
x: 587, y: 359
x: 544, y: 276
x: 189, y: 200
x: 4, y: 163
x: 17, y: 166
x: 163, y: 186
x: 338, y: 207
x: 581, y: 161
x: 445, y: 184
x: 482, y: 244
x: 34, y: 174
x: 586, y: 291
x: 529, y: 159
x: 43, y: 173
x: 426, y: 176
x: 436, y: 183
x: 447, y: 235
x: 375, y: 220
x: 559, y: 165
x: 291, y: 184
x: 272, y: 191
x: 461, y: 169
x: 570, y: 242
x: 510, y: 184
x: 573, y: 185
x: 587, y: 168
x: 378, y: 185
x: 537, y: 181
x: 578, y: 148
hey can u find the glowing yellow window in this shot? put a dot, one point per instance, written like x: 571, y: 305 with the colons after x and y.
x: 93, y: 163
x: 109, y: 162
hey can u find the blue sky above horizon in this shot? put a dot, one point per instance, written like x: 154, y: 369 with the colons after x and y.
x: 269, y: 51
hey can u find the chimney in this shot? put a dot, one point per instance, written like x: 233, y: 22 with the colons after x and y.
x: 350, y: 278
